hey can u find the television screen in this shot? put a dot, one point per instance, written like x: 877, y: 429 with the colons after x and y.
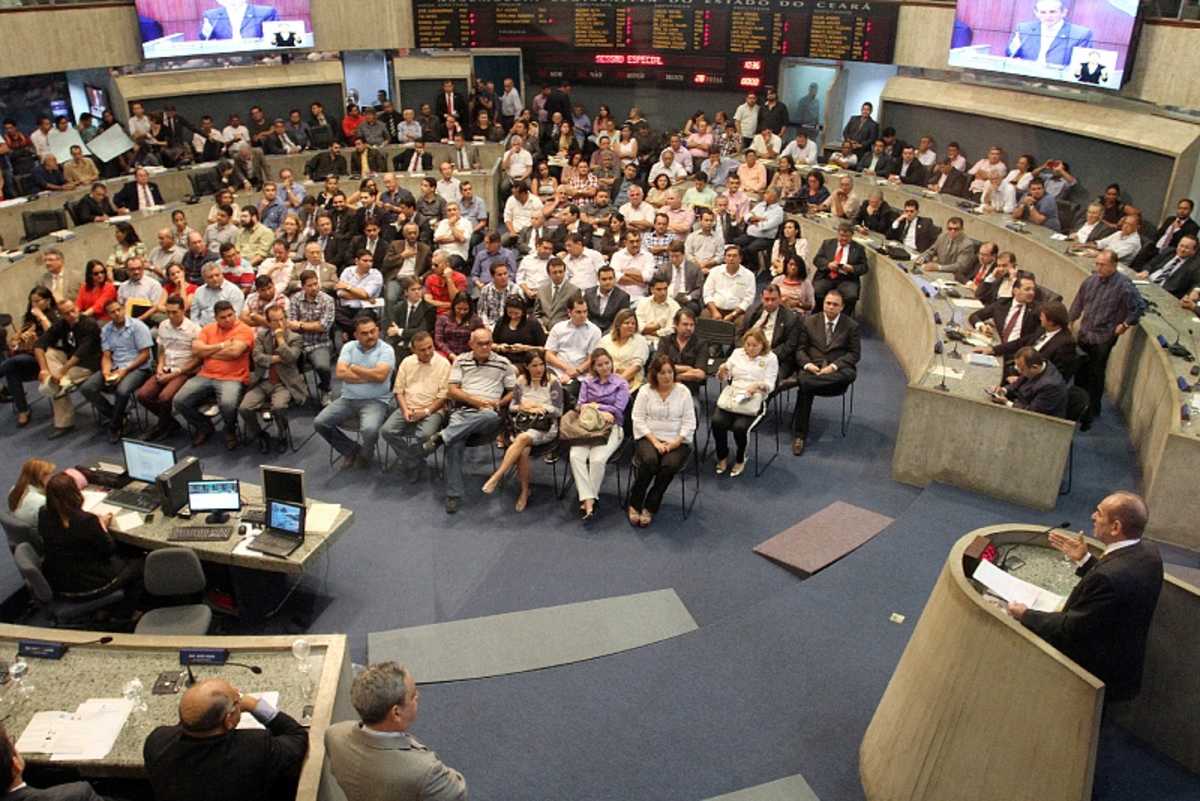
x: 172, y: 28
x: 1086, y: 42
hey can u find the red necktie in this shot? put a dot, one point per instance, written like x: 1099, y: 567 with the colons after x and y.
x: 1011, y: 322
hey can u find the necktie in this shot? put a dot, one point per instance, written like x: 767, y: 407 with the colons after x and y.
x: 828, y: 331
x: 463, y: 161
x: 450, y: 103
x: 146, y: 200
x: 1011, y: 322
x: 415, y: 162
x: 1166, y: 271
x: 408, y: 319
x: 1164, y: 241
x: 839, y: 258
x: 365, y: 168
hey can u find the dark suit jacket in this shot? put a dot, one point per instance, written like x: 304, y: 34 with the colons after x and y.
x: 693, y: 283
x: 1183, y: 279
x: 844, y: 350
x: 128, y: 196
x: 381, y: 247
x: 356, y: 222
x: 886, y: 166
x: 402, y: 160
x: 865, y: 132
x: 1046, y: 394
x: 273, y: 146
x: 241, y: 765
x: 1066, y: 40
x: 423, y: 318
x: 559, y: 236
x: 619, y: 299
x: 251, y: 28
x: 784, y: 339
x: 856, y: 259
x: 75, y: 791
x: 86, y: 209
x: 460, y: 106
x: 729, y: 229
x: 1106, y: 618
x: 958, y: 184
x: 392, y: 260
x: 916, y: 175
x: 255, y: 172
x: 996, y: 313
x: 376, y: 161
x: 337, y: 250
x: 1150, y: 247
x: 324, y: 164
x: 925, y: 236
x: 1059, y: 350
x: 877, y: 221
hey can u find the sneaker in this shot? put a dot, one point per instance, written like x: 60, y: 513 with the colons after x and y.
x: 211, y: 410
x: 432, y: 444
x: 326, y: 398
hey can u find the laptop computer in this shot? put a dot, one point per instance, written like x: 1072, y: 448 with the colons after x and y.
x: 285, y: 529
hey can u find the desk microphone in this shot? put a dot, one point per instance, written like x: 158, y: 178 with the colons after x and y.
x: 191, y: 677
x: 98, y: 641
x: 1175, y: 349
x: 940, y: 350
x: 1064, y: 526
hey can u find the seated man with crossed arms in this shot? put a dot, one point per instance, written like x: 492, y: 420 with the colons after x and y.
x: 364, y: 367
x: 223, y: 346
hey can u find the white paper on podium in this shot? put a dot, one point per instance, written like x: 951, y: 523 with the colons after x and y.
x: 110, y: 144
x: 946, y: 372
x: 61, y: 143
x: 321, y: 517
x: 1011, y: 588
x: 43, y: 728
x: 93, y: 730
x: 966, y: 303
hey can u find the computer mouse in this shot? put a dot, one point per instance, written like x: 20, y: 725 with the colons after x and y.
x: 242, y: 529
x: 1196, y: 370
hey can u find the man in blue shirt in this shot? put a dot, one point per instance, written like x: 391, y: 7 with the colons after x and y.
x: 124, y: 366
x: 364, y: 367
x: 1038, y: 206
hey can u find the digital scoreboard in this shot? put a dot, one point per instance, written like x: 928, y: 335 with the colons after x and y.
x: 701, y: 43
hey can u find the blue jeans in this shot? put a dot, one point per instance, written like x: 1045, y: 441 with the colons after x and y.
x: 16, y: 370
x: 200, y: 390
x: 464, y: 423
x: 95, y: 387
x: 407, y: 437
x: 370, y: 414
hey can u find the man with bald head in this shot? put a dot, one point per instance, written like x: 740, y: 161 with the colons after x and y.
x: 1106, y: 618
x: 206, y: 756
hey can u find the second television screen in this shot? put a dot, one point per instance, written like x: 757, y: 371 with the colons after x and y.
x: 174, y: 28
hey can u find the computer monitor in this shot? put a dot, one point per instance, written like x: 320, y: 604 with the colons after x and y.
x: 220, y: 497
x: 286, y: 518
x: 146, y: 462
x: 282, y: 484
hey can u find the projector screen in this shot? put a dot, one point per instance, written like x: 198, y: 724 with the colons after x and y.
x: 173, y: 28
x: 1085, y: 42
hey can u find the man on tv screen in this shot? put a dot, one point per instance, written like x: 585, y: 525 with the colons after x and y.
x: 236, y: 19
x: 1049, y: 39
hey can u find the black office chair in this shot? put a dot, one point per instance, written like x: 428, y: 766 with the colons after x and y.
x: 682, y: 477
x: 59, y: 610
x: 41, y: 223
x: 847, y: 396
x: 1078, y: 412
x: 71, y: 208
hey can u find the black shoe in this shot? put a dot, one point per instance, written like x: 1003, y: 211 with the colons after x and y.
x: 452, y: 505
x: 115, y: 434
x: 415, y: 474
x: 264, y: 443
x: 551, y: 456
x: 60, y: 432
x: 432, y: 444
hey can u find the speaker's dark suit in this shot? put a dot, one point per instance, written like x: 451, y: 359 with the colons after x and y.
x: 75, y: 791
x: 848, y: 273
x: 1180, y: 282
x: 1106, y: 618
x: 402, y: 161
x: 785, y: 337
x: 815, y: 347
x: 957, y: 183
x: 997, y: 312
x: 128, y: 197
x: 410, y: 321
x: 617, y: 300
x: 324, y: 164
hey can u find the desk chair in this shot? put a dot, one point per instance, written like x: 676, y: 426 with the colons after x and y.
x: 789, y: 384
x: 1078, y: 406
x: 61, y: 610
x: 70, y: 208
x: 174, y: 572
x: 40, y: 223
x: 19, y: 532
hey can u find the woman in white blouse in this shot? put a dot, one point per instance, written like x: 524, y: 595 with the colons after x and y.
x: 28, y: 495
x: 751, y: 370
x: 628, y: 348
x: 664, y: 420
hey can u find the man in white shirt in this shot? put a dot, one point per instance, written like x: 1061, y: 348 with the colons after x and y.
x: 449, y: 187
x: 985, y: 168
x: 144, y: 291
x: 638, y: 215
x: 998, y: 195
x: 582, y: 262
x: 534, y: 269
x: 925, y: 152
x: 452, y: 236
x: 634, y: 266
x: 519, y: 210
x: 510, y: 104
x: 1125, y: 242
x: 703, y: 246
x: 176, y: 364
x: 728, y: 291
x: 656, y: 314
x: 746, y: 117
x: 766, y: 144
x: 570, y: 344
x: 139, y: 123
x: 235, y: 131
x: 802, y: 150
x: 516, y: 164
x: 667, y: 165
x: 1092, y: 228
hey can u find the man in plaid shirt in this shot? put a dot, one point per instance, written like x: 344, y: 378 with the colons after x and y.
x: 311, y: 313
x: 657, y: 240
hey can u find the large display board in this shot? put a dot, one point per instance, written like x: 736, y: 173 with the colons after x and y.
x: 172, y: 28
x: 1087, y: 42
x: 674, y: 41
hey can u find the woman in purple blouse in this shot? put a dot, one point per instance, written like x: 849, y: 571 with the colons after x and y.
x: 610, y: 394
x: 452, y: 332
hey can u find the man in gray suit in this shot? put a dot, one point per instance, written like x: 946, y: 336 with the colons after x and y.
x: 277, y: 381
x: 55, y: 278
x: 376, y: 759
x: 12, y: 766
x: 685, y: 280
x: 554, y: 296
x: 952, y: 252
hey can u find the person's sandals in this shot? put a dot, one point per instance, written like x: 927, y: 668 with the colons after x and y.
x: 737, y: 470
x: 645, y: 519
x: 721, y: 466
x: 635, y: 517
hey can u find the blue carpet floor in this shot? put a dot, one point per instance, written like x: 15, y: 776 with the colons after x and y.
x: 783, y: 675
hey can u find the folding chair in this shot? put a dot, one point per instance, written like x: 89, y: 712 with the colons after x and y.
x: 693, y: 468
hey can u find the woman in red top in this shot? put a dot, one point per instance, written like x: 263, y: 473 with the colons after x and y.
x: 351, y: 122
x: 176, y: 284
x: 96, y: 291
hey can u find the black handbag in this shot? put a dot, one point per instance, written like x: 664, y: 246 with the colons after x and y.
x: 532, y: 421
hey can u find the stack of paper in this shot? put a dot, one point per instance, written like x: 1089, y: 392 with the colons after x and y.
x: 321, y: 517
x: 89, y: 733
x: 248, y: 721
x: 983, y: 360
x: 1011, y: 588
x: 966, y: 303
x: 946, y: 372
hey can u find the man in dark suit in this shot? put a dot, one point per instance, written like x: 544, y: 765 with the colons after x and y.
x: 1039, y: 386
x: 217, y: 22
x: 1052, y: 339
x: 450, y: 104
x: 94, y: 206
x: 878, y: 162
x: 331, y: 162
x: 781, y: 326
x: 570, y: 223
x: 840, y: 264
x: 685, y: 279
x: 206, y: 756
x: 12, y: 780
x: 409, y: 315
x: 335, y: 247
x: 1104, y: 624
x: 605, y: 299
x: 1176, y: 271
x: 1167, y: 237
x: 725, y: 224
x: 279, y: 142
x: 912, y: 230
x: 1014, y: 321
x: 135, y: 194
x: 949, y: 180
x: 414, y: 160
x: 862, y: 130
x: 909, y: 171
x: 827, y: 357
x: 1051, y: 21
x: 365, y: 159
x: 371, y: 240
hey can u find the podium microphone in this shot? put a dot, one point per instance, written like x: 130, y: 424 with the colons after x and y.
x: 940, y: 350
x: 1063, y: 526
x: 1175, y: 349
x: 97, y: 641
x: 255, y: 669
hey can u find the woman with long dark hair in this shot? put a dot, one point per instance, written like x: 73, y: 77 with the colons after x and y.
x: 516, y: 334
x: 452, y: 331
x: 80, y: 555
x: 97, y: 290
x: 536, y: 405
x: 19, y: 364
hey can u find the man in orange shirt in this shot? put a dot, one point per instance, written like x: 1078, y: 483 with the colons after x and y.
x: 223, y: 348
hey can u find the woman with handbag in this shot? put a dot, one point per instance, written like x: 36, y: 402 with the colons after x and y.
x: 664, y: 420
x: 607, y: 395
x: 536, y: 406
x: 751, y: 372
x: 19, y: 365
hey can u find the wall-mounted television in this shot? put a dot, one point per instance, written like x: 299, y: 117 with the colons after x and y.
x: 1084, y: 42
x: 175, y: 28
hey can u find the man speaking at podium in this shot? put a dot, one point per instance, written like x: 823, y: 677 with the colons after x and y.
x: 1050, y: 38
x: 1106, y: 618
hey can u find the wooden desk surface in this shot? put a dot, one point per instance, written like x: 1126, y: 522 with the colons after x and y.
x: 101, y: 671
x: 153, y: 535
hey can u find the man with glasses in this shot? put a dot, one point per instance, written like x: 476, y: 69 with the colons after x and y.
x: 952, y: 252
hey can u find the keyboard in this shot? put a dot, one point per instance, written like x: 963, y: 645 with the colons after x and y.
x: 138, y: 501
x: 254, y: 515
x: 200, y: 534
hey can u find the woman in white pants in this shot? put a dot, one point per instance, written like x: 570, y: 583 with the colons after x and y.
x: 610, y: 393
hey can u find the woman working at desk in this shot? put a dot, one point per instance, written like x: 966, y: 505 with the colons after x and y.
x: 80, y: 555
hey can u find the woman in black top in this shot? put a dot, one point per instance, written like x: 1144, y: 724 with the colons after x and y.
x: 80, y: 555
x: 516, y: 334
x: 19, y: 364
